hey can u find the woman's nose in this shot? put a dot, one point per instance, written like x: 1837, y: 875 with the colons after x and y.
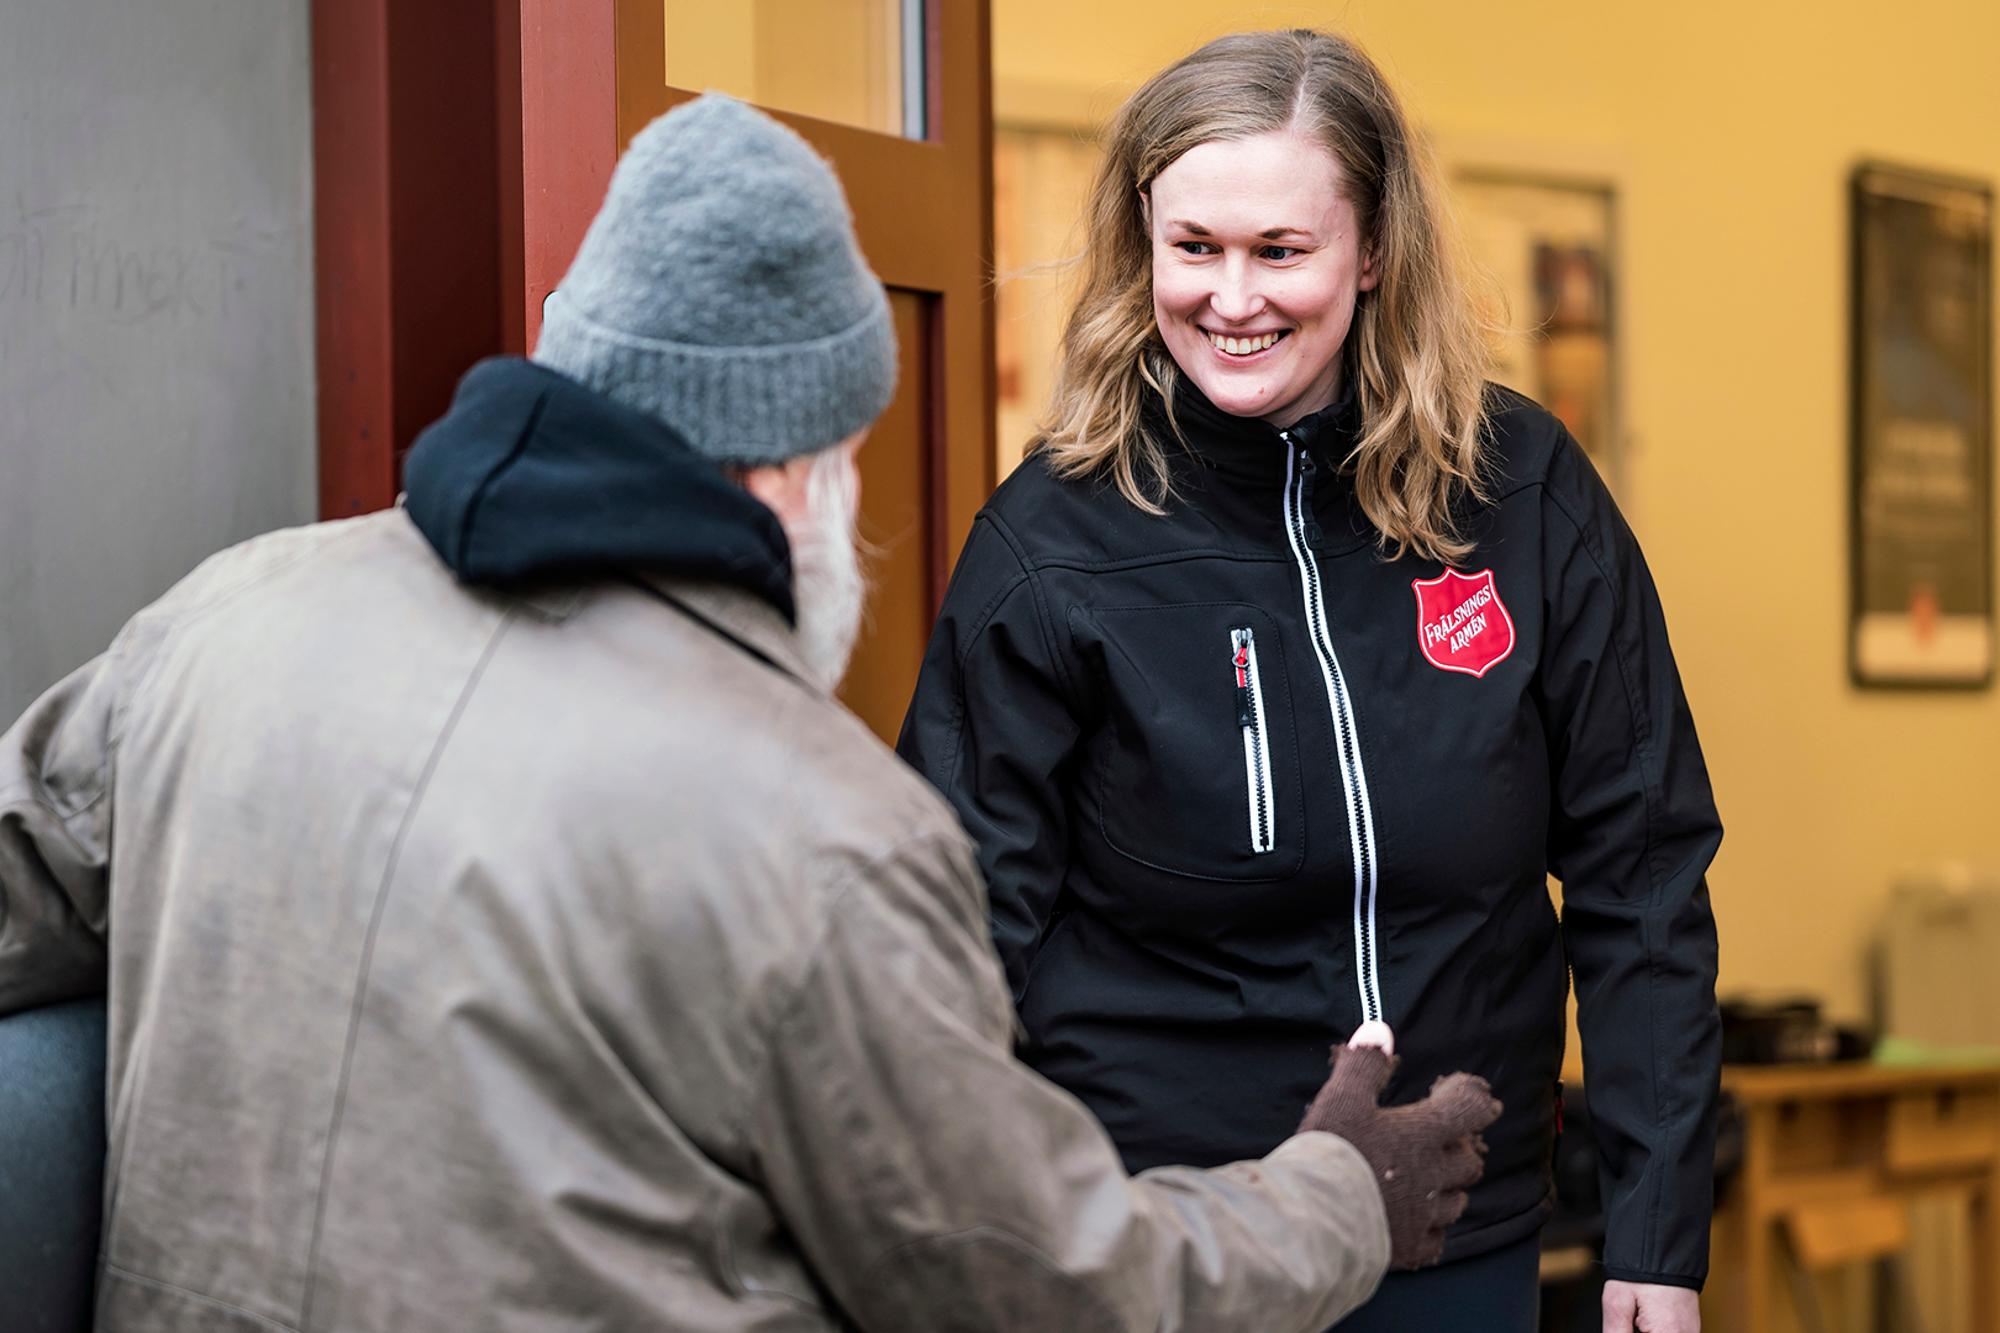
x: 1235, y: 298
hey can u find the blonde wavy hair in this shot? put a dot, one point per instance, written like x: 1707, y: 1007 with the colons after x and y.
x: 1418, y: 346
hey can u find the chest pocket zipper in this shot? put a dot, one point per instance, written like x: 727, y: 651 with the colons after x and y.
x: 1256, y: 743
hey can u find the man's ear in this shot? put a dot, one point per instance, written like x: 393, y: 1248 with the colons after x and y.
x: 786, y: 488
x: 780, y: 486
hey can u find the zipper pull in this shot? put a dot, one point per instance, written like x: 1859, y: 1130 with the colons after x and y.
x: 1307, y: 470
x: 1241, y: 660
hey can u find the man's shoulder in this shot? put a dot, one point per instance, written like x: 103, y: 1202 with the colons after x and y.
x: 760, y: 764
x: 808, y: 820
x: 859, y: 798
x: 286, y: 554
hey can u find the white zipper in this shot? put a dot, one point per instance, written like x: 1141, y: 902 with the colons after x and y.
x: 1256, y: 754
x: 1301, y: 529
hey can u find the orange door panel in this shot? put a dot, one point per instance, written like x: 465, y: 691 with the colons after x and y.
x: 591, y: 73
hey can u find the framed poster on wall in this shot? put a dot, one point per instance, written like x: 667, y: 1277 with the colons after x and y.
x: 1548, y: 244
x: 1922, y: 469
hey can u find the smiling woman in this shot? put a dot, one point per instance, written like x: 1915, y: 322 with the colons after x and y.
x: 1288, y: 666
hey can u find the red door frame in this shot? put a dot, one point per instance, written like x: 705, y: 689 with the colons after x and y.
x: 426, y: 124
x: 352, y: 274
x: 559, y: 142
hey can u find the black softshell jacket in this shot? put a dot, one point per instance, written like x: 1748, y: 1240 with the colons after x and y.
x: 1239, y: 782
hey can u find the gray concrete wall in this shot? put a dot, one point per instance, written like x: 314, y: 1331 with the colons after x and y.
x: 156, y: 343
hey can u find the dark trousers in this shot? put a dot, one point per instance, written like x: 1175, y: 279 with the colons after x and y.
x: 51, y: 1165
x: 1495, y: 1292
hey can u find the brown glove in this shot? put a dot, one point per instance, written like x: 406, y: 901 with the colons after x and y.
x: 1425, y: 1155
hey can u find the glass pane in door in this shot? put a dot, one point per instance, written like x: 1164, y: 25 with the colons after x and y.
x: 856, y: 62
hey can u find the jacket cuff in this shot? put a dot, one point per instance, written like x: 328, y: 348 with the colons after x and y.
x: 1690, y: 1281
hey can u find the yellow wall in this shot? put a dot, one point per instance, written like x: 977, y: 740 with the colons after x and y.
x: 1729, y: 128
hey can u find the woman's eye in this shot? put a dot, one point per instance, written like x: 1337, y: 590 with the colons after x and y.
x: 1194, y: 247
x: 1278, y: 252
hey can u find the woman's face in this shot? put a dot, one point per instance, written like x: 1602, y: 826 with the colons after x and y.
x: 1257, y: 260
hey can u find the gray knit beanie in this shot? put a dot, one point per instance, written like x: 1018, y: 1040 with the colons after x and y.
x: 720, y: 290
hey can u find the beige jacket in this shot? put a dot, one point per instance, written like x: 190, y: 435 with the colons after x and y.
x: 565, y: 962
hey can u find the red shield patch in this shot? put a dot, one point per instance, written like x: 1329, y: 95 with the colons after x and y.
x: 1462, y: 625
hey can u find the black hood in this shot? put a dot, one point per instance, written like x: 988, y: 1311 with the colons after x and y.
x: 531, y: 476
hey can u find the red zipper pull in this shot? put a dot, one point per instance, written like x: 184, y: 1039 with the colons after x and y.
x: 1241, y: 661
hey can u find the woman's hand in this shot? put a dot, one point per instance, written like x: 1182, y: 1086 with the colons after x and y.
x: 1650, y: 1308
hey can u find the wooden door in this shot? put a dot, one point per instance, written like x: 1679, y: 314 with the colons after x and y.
x: 591, y: 73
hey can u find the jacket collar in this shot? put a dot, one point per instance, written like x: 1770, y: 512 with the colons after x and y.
x: 1242, y: 460
x: 749, y: 622
x: 1249, y: 449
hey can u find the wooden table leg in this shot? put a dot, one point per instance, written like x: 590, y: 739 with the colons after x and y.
x: 1985, y: 1255
x: 1759, y: 1226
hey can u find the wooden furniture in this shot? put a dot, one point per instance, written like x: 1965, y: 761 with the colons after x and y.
x: 1832, y: 1157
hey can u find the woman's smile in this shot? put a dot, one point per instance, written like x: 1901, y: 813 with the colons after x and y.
x: 1243, y: 348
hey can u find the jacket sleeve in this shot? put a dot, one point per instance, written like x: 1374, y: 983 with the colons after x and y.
x: 55, y: 837
x: 992, y: 727
x: 1632, y: 831
x: 935, y: 1183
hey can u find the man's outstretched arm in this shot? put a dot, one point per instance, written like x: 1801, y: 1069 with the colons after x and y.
x: 936, y: 1183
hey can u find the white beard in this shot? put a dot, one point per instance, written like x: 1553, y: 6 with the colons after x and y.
x: 829, y: 587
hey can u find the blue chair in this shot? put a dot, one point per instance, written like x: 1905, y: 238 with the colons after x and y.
x: 51, y: 1165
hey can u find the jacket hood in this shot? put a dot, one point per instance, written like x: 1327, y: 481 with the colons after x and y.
x: 531, y: 475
